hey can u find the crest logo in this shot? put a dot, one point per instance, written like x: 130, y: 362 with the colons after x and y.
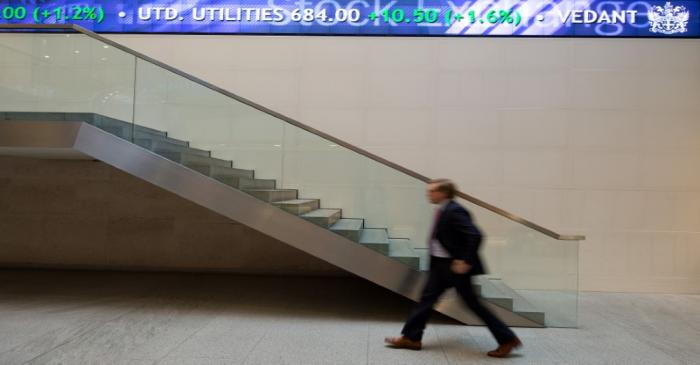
x: 668, y: 19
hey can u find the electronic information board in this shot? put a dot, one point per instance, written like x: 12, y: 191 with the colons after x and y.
x: 552, y: 18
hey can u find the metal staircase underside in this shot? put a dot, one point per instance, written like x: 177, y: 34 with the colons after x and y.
x: 237, y: 194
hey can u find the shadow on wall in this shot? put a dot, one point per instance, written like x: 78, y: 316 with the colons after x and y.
x: 86, y: 214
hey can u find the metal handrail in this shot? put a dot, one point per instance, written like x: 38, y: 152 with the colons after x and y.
x: 296, y: 123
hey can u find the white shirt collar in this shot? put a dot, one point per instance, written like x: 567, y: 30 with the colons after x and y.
x: 443, y: 204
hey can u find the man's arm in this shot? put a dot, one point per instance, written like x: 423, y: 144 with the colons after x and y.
x: 466, y: 234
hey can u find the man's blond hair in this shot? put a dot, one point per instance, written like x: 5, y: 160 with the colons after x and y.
x: 446, y: 186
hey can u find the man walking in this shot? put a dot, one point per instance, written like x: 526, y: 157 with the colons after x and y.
x: 454, y: 260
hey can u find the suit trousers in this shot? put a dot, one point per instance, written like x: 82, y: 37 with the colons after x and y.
x: 440, y: 279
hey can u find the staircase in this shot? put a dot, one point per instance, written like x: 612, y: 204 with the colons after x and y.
x: 288, y: 200
x: 128, y: 107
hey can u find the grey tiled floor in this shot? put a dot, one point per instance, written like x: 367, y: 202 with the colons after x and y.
x: 134, y: 318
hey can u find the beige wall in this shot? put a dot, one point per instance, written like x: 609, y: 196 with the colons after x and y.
x: 592, y: 136
x: 86, y: 214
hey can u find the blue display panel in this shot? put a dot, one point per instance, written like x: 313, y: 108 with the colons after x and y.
x: 558, y: 18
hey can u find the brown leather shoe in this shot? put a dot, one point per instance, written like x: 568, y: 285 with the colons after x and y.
x: 505, y: 348
x: 403, y: 342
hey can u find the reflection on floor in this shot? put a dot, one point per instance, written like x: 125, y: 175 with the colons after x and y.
x: 157, y: 318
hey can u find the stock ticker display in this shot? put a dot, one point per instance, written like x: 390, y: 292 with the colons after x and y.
x: 544, y: 18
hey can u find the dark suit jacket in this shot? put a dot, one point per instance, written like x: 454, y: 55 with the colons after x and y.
x: 460, y: 236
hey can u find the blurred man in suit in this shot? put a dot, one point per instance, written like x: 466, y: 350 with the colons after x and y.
x: 454, y: 260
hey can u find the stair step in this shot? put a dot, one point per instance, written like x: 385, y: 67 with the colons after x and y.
x: 491, y: 293
x: 172, y: 141
x: 349, y: 228
x: 520, y: 305
x: 118, y: 127
x: 111, y: 125
x: 158, y: 145
x: 48, y: 116
x: 376, y: 239
x: 400, y: 247
x: 401, y: 250
x: 140, y: 130
x: 273, y: 195
x: 298, y: 206
x: 228, y: 175
x: 247, y: 183
x: 193, y: 160
x: 123, y: 130
x: 240, y: 182
x: 90, y: 118
x: 119, y: 131
x: 323, y: 217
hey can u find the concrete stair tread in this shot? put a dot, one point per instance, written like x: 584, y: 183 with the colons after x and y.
x: 221, y: 171
x: 169, y: 145
x: 375, y: 238
x: 245, y: 183
x: 268, y: 190
x: 98, y: 120
x: 159, y: 148
x: 492, y: 294
x: 192, y: 159
x: 148, y: 130
x: 401, y: 248
x: 323, y: 217
x: 140, y: 131
x: 520, y: 304
x: 491, y: 291
x: 295, y: 201
x: 273, y: 195
x: 298, y: 206
x: 145, y: 132
x: 321, y: 213
x: 163, y: 140
x: 348, y: 224
x: 166, y: 139
x: 349, y: 228
x: 49, y: 116
x: 374, y: 235
x: 207, y: 159
x: 124, y: 130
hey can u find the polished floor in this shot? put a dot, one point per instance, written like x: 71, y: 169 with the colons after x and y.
x: 58, y: 317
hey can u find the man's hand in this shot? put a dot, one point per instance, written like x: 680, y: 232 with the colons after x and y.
x: 460, y: 267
